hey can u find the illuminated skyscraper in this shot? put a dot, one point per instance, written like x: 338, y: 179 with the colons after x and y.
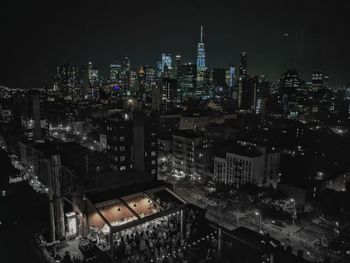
x: 290, y: 85
x: 178, y: 77
x: 319, y: 80
x: 177, y: 66
x: 115, y: 72
x: 243, y: 65
x: 159, y: 68
x: 126, y: 63
x: 93, y: 75
x: 92, y: 82
x: 120, y: 73
x: 247, y: 87
x: 188, y: 80
x: 125, y: 72
x: 166, y: 62
x: 133, y: 81
x: 230, y: 77
x: 33, y: 117
x: 66, y: 79
x: 261, y: 93
x: 164, y: 95
x: 169, y: 94
x: 201, y: 67
x: 141, y: 82
x: 149, y: 77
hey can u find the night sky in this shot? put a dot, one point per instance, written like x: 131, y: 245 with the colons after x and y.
x: 38, y: 36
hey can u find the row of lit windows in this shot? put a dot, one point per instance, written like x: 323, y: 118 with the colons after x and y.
x: 121, y: 158
x: 121, y: 139
x: 115, y: 167
x: 109, y: 128
x: 121, y: 148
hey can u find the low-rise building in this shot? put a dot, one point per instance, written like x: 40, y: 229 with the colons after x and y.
x: 304, y: 177
x: 237, y: 165
x: 198, y: 119
x: 184, y: 147
x: 195, y: 119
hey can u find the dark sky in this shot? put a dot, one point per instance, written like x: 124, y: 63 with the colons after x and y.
x: 38, y: 36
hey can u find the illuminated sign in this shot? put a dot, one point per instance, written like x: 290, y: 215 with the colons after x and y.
x: 72, y: 224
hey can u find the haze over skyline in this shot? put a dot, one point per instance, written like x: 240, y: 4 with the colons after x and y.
x: 41, y: 36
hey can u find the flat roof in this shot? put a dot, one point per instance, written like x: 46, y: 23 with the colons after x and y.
x: 191, y: 134
x: 47, y: 148
x: 301, y: 171
x: 110, y: 193
x: 195, y: 113
x: 237, y: 149
x: 108, y: 179
x: 120, y: 208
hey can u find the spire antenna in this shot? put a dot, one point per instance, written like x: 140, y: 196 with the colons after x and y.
x: 201, y: 34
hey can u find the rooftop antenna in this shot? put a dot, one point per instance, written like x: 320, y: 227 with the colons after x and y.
x: 201, y: 34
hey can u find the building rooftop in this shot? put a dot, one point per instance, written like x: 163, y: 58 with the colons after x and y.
x: 195, y: 113
x: 237, y: 149
x: 47, y: 148
x: 190, y: 134
x: 165, y: 136
x: 308, y: 171
x: 123, y: 207
x: 109, y: 192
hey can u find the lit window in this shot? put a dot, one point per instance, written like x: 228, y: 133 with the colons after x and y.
x: 153, y: 153
x: 122, y: 158
x: 122, y: 168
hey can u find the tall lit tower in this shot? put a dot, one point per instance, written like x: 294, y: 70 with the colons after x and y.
x: 201, y: 68
x: 243, y: 65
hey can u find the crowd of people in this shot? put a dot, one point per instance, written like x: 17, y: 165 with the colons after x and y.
x: 161, y: 240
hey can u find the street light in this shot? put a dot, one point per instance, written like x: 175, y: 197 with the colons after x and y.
x: 336, y: 231
x: 294, y: 210
x: 257, y: 213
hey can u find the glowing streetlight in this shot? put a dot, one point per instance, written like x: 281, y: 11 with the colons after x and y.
x: 257, y: 213
x: 292, y: 201
x: 294, y: 210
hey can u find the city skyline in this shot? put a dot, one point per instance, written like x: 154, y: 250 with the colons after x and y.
x: 269, y: 33
x: 182, y: 131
